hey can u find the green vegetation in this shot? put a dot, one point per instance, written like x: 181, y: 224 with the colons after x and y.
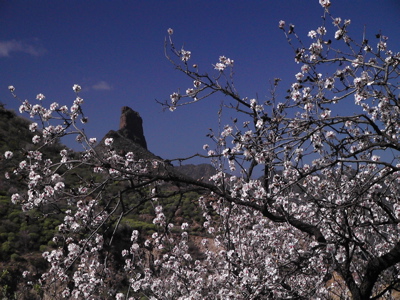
x: 21, y: 232
x: 25, y: 235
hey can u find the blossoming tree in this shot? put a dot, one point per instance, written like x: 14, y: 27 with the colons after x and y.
x: 322, y: 222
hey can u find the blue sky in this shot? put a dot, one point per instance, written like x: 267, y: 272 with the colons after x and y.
x: 114, y: 50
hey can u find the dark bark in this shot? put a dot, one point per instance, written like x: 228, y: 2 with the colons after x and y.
x: 375, y: 267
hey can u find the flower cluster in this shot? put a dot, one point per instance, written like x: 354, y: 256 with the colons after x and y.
x: 223, y: 63
x: 325, y: 210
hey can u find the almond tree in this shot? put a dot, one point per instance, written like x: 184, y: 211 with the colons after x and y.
x: 321, y: 223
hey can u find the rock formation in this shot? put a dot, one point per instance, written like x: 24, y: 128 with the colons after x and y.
x: 131, y: 126
x: 130, y: 138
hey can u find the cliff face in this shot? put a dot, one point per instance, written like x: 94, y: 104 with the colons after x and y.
x: 131, y: 126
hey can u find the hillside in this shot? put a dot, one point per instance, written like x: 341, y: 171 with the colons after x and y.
x: 25, y: 235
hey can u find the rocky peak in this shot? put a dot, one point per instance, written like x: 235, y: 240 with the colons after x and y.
x: 131, y: 126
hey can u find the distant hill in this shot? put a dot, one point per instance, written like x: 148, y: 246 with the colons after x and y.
x: 16, y: 137
x: 24, y: 235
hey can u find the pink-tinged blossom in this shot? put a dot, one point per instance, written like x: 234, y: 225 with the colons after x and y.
x: 135, y: 235
x: 36, y: 109
x: 54, y: 106
x: 305, y: 68
x: 358, y: 98
x: 312, y: 34
x: 191, y: 92
x: 185, y: 55
x: 326, y: 114
x: 108, y: 141
x: 23, y: 164
x: 74, y: 108
x: 23, y: 108
x: 130, y: 156
x: 8, y: 155
x: 219, y: 67
x: 259, y: 124
x: 325, y: 3
x: 119, y: 296
x: 375, y: 158
x: 222, y: 59
x: 227, y: 132
x: 296, y: 95
x: 226, y: 61
x: 174, y: 98
x: 282, y: 24
x: 25, y: 274
x: 64, y: 109
x: 78, y: 101
x: 170, y: 31
x: 337, y: 21
x: 40, y: 97
x: 196, y: 83
x: 64, y: 152
x: 226, y: 152
x: 76, y: 88
x: 36, y: 139
x: 299, y: 76
x: 82, y: 189
x: 33, y: 126
x: 330, y: 135
x: 229, y: 62
x: 59, y: 186
x: 98, y: 170
x: 321, y: 30
x: 15, y: 198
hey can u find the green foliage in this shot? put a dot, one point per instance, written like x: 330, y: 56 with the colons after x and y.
x: 178, y: 209
x: 7, y: 284
x: 21, y: 236
x: 23, y: 232
x: 15, y: 257
x: 145, y: 228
